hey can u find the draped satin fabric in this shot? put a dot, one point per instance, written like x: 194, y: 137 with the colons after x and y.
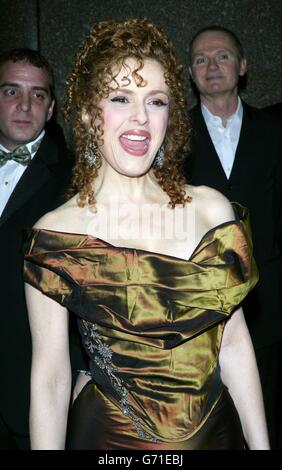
x: 152, y: 326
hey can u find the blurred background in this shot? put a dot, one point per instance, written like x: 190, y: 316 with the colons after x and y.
x: 57, y: 27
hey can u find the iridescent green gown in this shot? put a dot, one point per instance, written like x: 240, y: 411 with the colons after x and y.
x: 152, y: 326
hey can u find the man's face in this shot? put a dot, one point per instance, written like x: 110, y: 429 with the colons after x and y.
x: 215, y: 66
x: 25, y: 103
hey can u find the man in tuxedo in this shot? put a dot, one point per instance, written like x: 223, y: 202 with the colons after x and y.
x: 237, y: 150
x: 275, y: 110
x: 34, y: 173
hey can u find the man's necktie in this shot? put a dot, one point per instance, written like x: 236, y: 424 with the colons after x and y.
x: 20, y: 154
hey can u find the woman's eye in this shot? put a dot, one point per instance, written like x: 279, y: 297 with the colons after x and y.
x: 158, y: 102
x: 119, y: 99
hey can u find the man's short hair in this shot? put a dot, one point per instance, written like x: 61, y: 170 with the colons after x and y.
x: 31, y: 56
x: 221, y: 29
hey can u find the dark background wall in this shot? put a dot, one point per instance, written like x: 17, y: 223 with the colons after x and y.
x: 57, y: 27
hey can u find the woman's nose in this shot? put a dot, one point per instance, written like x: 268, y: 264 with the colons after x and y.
x: 139, y: 113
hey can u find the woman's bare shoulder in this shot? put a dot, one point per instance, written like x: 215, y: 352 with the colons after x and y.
x: 211, y: 206
x: 60, y: 218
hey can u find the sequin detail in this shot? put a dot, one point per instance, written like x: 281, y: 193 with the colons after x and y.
x: 102, y: 356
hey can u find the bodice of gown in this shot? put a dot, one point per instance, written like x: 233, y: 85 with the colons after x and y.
x: 151, y: 324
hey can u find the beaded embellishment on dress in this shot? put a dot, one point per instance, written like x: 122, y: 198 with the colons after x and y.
x: 102, y: 356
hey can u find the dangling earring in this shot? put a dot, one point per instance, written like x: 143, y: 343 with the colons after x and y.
x: 159, y: 158
x: 89, y: 155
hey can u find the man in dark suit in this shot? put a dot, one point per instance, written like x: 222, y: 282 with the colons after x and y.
x: 237, y: 150
x: 275, y: 110
x: 34, y: 172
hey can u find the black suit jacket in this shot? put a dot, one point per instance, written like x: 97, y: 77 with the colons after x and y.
x: 39, y: 190
x: 256, y: 182
x: 275, y: 110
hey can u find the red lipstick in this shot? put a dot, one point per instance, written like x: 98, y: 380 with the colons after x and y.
x: 135, y: 142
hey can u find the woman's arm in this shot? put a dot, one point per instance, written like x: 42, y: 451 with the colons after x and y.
x: 240, y: 374
x: 51, y: 371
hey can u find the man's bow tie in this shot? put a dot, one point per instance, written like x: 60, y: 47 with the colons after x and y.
x: 20, y: 154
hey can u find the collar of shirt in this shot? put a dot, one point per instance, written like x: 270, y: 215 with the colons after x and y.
x: 235, y: 120
x: 29, y: 144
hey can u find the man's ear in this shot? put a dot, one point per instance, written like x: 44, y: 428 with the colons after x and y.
x: 243, y: 67
x: 50, y: 110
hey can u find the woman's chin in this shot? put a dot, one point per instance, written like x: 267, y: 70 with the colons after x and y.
x: 133, y: 172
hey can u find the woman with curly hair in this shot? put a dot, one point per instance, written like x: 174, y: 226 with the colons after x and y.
x: 154, y: 270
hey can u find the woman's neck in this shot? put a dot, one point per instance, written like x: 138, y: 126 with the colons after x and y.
x: 113, y: 187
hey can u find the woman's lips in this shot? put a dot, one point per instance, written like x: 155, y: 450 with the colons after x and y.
x: 135, y: 142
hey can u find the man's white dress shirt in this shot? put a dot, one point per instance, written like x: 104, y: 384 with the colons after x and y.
x: 10, y: 174
x: 225, y: 139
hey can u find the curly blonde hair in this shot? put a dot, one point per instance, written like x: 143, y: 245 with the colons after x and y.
x: 104, y: 52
